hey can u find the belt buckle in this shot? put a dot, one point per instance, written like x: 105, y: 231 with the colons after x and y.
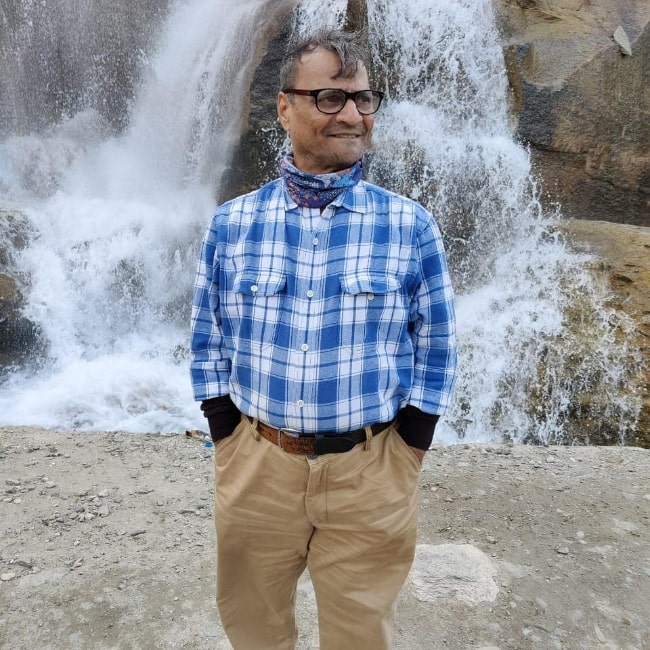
x: 292, y: 433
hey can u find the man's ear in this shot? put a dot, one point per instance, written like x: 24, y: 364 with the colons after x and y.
x: 284, y: 110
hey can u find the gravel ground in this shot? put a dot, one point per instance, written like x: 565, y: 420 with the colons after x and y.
x: 106, y: 541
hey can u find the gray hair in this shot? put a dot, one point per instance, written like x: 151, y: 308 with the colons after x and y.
x: 350, y: 47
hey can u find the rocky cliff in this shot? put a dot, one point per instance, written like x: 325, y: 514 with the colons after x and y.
x: 580, y: 77
x: 19, y: 337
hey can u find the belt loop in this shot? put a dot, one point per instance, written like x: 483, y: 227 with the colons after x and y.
x: 256, y: 434
x: 366, y: 444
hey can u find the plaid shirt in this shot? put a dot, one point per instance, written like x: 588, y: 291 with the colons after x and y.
x: 323, y: 322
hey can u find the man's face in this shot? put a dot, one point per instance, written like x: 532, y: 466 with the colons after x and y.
x: 324, y: 143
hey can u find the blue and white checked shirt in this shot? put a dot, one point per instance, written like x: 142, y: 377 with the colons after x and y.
x: 323, y: 322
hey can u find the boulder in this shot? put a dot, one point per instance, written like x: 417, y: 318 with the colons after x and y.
x: 580, y: 81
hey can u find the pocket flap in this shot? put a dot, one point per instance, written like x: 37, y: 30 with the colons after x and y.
x: 259, y: 283
x: 369, y: 283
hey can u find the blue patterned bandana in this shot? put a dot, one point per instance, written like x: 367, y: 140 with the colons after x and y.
x: 317, y: 190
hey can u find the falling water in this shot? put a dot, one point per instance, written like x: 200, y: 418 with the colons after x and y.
x: 118, y: 222
x: 523, y: 372
x: 119, y: 218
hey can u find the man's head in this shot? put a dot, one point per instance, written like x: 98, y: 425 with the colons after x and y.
x: 329, y: 131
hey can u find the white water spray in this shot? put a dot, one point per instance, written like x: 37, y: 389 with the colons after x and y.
x: 114, y: 258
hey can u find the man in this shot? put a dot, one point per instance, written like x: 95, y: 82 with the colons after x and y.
x: 322, y: 323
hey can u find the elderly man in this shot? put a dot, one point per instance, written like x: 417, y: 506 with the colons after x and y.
x: 323, y: 354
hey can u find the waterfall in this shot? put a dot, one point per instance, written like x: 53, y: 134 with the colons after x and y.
x: 119, y: 212
x: 523, y: 372
x: 118, y: 221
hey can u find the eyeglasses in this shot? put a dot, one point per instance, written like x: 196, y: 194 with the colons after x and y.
x: 332, y: 100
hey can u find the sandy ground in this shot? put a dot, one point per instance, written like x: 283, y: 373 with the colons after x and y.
x: 106, y: 541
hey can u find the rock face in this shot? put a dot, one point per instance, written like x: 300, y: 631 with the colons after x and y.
x: 622, y: 264
x: 254, y: 161
x: 580, y: 83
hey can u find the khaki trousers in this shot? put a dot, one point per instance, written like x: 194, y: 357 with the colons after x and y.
x: 350, y: 518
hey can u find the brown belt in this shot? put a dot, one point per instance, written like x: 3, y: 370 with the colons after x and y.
x: 315, y: 444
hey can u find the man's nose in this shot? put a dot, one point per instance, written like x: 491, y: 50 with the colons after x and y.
x: 349, y: 113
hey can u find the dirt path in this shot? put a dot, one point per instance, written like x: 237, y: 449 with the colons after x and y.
x: 106, y: 541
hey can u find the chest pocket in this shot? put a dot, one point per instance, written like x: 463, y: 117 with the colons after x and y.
x: 371, y: 305
x: 259, y: 296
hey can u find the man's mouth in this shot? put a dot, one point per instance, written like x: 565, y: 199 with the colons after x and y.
x: 349, y: 136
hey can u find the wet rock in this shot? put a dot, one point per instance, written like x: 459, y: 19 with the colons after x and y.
x: 622, y: 266
x: 19, y: 337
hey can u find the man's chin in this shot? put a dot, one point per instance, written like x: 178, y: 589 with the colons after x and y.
x: 345, y: 164
x: 348, y: 159
x: 335, y: 163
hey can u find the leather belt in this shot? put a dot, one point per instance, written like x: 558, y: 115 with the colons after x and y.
x: 315, y: 444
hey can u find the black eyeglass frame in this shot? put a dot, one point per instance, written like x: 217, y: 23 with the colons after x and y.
x: 353, y: 96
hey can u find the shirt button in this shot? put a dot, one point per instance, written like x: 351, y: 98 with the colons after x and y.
x: 254, y: 288
x: 300, y: 403
x: 371, y: 296
x: 304, y: 347
x: 314, y: 241
x: 310, y: 294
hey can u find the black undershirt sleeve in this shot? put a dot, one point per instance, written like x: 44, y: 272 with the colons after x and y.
x: 222, y: 415
x: 417, y: 427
